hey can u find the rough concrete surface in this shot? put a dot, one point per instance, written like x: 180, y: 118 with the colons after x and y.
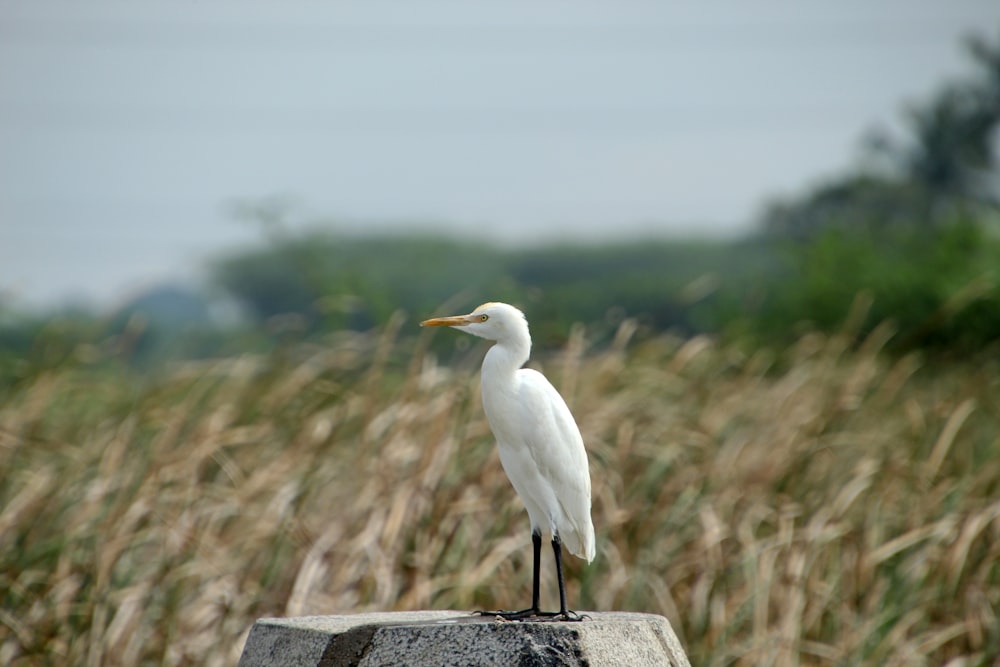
x: 454, y: 638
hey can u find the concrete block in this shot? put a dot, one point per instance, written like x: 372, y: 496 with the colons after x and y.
x: 454, y: 638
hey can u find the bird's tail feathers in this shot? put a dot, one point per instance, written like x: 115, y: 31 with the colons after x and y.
x: 580, y: 542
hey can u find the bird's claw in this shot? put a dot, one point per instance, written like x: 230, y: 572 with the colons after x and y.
x: 571, y: 615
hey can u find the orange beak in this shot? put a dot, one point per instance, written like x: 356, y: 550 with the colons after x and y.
x: 453, y: 321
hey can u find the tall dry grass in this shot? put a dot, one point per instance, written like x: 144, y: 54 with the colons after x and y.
x: 824, y: 506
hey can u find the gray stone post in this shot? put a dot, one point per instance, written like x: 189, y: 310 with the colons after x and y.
x: 454, y: 638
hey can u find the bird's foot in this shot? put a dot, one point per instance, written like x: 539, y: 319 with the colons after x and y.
x: 511, y: 615
x: 561, y: 616
x: 535, y: 615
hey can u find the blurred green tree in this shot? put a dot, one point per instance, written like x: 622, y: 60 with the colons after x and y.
x: 947, y: 168
x: 938, y: 288
x: 322, y: 280
x: 914, y: 231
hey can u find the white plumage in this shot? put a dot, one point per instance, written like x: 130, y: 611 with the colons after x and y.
x: 540, y: 445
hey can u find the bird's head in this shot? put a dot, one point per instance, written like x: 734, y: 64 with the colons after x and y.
x: 493, y: 321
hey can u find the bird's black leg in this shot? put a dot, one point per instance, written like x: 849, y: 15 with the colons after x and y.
x: 534, y: 612
x: 536, y: 547
x: 536, y: 544
x: 563, y: 614
x: 557, y: 552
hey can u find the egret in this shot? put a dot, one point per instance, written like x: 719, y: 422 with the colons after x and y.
x: 540, y: 445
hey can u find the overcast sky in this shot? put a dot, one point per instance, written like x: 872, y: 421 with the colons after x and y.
x: 129, y: 129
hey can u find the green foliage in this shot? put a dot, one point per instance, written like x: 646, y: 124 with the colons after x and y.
x: 659, y: 283
x: 954, y: 134
x: 334, y: 282
x: 937, y: 285
x: 939, y: 288
x: 331, y: 282
x: 32, y: 344
x: 909, y: 243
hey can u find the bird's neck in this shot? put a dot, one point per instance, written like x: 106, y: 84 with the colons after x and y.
x: 506, y: 358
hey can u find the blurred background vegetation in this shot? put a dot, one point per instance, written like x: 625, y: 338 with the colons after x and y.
x: 914, y: 234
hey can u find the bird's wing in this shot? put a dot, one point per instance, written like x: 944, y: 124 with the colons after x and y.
x: 555, y: 444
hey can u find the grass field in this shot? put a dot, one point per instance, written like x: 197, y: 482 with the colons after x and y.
x: 820, y: 506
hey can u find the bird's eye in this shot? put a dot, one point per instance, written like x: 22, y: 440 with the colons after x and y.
x: 483, y: 318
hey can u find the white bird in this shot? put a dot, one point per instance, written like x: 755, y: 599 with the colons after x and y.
x: 540, y: 445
